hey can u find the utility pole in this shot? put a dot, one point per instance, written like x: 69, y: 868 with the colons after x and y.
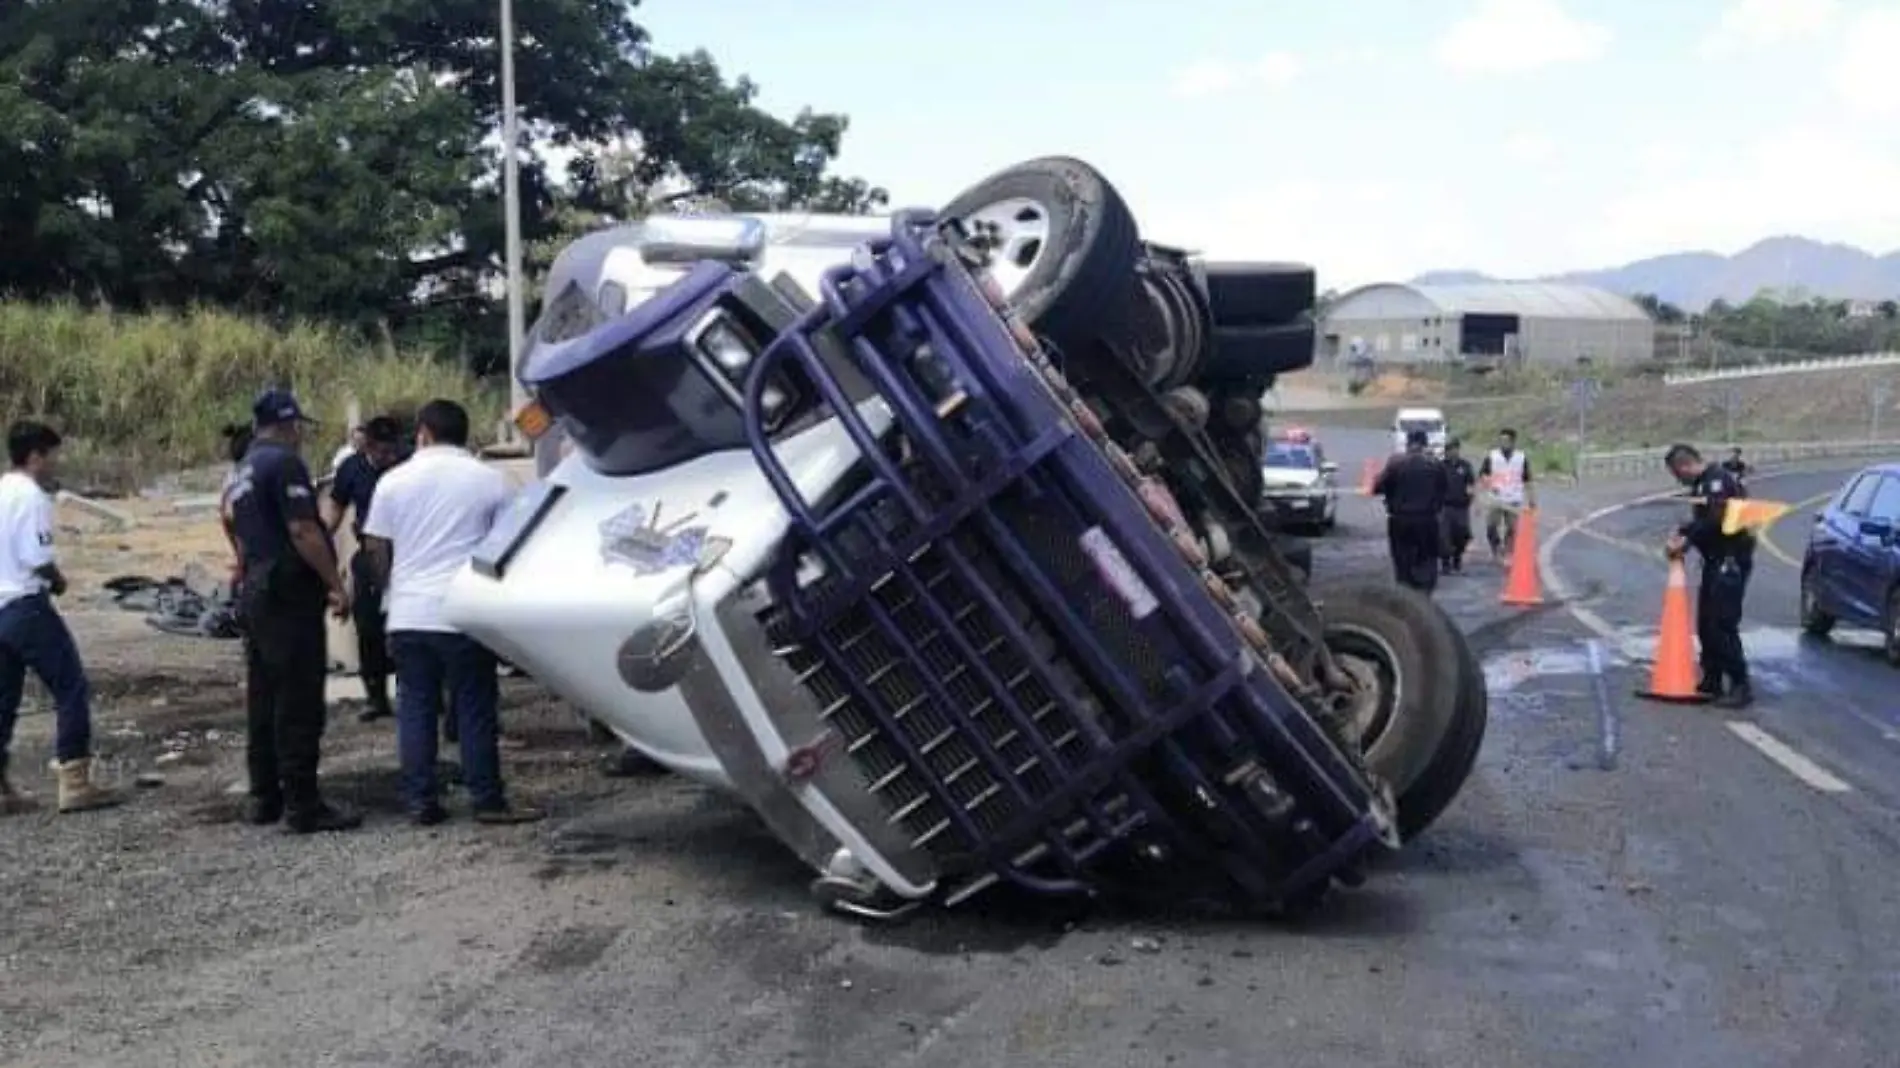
x: 1881, y: 395
x: 547, y: 446
x: 1731, y: 397
x: 1583, y: 394
x: 511, y: 207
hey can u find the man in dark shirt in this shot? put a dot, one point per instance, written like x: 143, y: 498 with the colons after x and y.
x: 379, y: 450
x: 1460, y: 479
x: 1413, y: 485
x: 1735, y: 465
x: 289, y: 573
x: 1727, y: 562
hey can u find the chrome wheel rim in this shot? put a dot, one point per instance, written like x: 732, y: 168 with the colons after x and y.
x: 1017, y: 230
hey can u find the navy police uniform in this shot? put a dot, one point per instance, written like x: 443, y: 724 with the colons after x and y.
x: 1414, y: 488
x: 1727, y: 562
x: 1460, y: 480
x: 355, y: 488
x: 282, y: 601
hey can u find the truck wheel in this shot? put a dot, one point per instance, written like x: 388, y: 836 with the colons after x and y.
x: 1396, y: 643
x: 1259, y: 294
x: 1445, y: 776
x: 1252, y: 352
x: 1064, y: 242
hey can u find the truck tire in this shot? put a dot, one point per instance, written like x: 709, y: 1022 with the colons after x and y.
x: 1259, y: 294
x: 1252, y: 352
x: 1067, y: 245
x: 1445, y: 776
x: 1400, y: 640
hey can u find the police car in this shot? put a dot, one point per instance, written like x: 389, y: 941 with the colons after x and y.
x: 1299, y: 480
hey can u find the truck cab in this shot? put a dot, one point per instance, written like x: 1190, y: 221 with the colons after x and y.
x: 1429, y: 420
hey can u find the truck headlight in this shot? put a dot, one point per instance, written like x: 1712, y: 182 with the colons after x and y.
x: 727, y: 350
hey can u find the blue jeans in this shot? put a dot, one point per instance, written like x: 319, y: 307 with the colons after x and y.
x: 33, y: 636
x: 430, y: 665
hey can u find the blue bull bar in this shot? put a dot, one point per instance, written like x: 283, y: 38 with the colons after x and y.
x: 1103, y: 706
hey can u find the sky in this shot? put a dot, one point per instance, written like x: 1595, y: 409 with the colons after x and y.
x: 1373, y: 138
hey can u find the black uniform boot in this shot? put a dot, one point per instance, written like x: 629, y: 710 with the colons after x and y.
x: 309, y: 813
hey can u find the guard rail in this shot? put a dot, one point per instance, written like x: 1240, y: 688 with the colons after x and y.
x: 1635, y: 463
x: 1790, y: 367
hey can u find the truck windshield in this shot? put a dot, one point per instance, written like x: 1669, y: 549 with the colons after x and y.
x: 1429, y: 426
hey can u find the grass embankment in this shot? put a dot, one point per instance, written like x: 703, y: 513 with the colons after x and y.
x: 140, y: 395
x: 1633, y: 412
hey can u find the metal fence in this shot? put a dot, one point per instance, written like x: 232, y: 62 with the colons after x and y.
x: 1638, y: 463
x: 1789, y: 367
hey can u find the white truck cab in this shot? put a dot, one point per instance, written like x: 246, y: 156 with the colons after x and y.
x: 1429, y: 420
x: 603, y: 274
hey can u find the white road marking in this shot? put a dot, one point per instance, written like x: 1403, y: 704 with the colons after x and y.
x: 1814, y: 775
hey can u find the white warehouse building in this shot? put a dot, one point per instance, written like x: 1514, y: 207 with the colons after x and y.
x: 1486, y: 324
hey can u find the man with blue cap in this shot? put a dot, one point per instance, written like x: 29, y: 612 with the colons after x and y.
x: 290, y: 573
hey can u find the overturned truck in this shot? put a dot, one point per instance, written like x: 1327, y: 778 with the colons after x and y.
x: 936, y: 539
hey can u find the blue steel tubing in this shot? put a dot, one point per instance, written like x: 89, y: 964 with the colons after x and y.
x: 1222, y: 726
x: 950, y: 336
x: 1000, y: 850
x: 1300, y: 734
x: 788, y: 492
x: 1177, y: 755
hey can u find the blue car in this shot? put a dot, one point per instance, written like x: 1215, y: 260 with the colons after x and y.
x: 1851, y: 573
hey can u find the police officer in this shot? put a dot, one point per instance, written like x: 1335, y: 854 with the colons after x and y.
x: 1735, y: 465
x: 1727, y: 562
x: 1413, y: 485
x: 379, y: 448
x: 289, y: 573
x: 1460, y: 478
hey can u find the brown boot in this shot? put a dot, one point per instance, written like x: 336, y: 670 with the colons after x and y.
x: 76, y: 790
x: 13, y: 802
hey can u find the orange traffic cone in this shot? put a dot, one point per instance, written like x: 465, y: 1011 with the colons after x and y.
x: 1368, y: 475
x: 1673, y: 677
x: 1521, y: 586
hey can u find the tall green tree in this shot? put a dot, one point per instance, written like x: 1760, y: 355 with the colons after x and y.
x: 341, y: 158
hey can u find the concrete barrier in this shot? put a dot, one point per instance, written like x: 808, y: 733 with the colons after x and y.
x: 1637, y: 463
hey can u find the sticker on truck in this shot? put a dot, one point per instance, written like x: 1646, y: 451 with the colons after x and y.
x: 635, y: 537
x: 1119, y: 573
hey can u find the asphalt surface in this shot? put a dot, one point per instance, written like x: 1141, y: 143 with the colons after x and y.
x: 1619, y: 884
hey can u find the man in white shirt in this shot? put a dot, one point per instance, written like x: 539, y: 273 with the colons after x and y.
x: 32, y: 634
x: 430, y: 515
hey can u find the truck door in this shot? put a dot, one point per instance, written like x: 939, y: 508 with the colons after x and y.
x: 1863, y: 556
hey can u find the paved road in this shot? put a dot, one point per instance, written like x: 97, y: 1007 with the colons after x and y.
x: 1778, y: 829
x: 1693, y: 904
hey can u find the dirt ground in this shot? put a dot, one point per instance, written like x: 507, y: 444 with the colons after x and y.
x: 175, y: 879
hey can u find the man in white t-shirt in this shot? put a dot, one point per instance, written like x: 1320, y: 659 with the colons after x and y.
x: 430, y: 515
x: 32, y: 634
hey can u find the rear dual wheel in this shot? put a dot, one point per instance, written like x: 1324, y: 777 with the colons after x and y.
x: 1420, y: 710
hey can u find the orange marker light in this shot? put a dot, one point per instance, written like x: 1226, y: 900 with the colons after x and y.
x: 533, y: 420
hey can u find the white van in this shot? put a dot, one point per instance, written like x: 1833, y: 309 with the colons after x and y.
x: 1430, y: 420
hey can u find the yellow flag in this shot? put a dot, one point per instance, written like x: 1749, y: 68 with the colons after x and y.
x: 1743, y: 515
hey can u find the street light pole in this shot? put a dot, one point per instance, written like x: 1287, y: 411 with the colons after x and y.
x: 511, y: 208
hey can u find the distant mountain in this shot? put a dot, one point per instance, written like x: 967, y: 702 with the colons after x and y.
x: 1694, y: 279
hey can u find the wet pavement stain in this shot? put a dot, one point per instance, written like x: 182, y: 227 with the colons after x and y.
x: 1783, y: 660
